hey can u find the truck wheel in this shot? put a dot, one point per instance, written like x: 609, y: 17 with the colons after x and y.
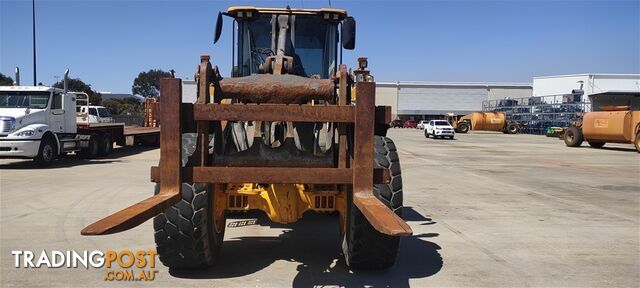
x: 363, y: 246
x: 426, y: 134
x: 637, y: 142
x: 93, y: 149
x: 513, y: 128
x: 46, y: 152
x: 573, y: 137
x: 463, y: 128
x: 596, y: 144
x: 106, y: 145
x: 184, y: 233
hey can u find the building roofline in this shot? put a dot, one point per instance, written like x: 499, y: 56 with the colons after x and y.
x: 589, y: 74
x: 456, y: 84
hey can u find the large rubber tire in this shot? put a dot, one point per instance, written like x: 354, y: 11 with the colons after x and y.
x: 512, y: 128
x: 637, y: 142
x: 426, y: 134
x: 46, y: 152
x: 363, y: 246
x: 105, y: 145
x: 462, y: 128
x: 93, y: 150
x: 596, y: 144
x: 184, y: 233
x: 573, y: 137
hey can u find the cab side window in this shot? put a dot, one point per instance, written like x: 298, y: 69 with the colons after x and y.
x: 92, y: 111
x: 57, y: 101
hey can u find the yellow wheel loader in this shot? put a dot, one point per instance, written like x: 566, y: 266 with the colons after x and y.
x: 290, y: 131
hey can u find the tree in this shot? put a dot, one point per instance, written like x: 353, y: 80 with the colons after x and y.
x: 76, y: 85
x: 5, y: 80
x: 147, y: 83
x: 126, y: 106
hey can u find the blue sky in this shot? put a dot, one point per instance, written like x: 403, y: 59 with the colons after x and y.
x: 107, y: 43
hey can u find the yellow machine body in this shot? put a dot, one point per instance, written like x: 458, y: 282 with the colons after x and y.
x: 487, y: 121
x: 611, y: 126
x: 283, y: 203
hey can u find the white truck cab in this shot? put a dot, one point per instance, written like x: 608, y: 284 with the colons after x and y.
x: 27, y: 113
x: 43, y: 122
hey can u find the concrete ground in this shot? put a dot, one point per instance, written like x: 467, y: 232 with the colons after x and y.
x: 487, y: 209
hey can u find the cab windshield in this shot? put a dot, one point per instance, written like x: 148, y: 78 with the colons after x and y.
x: 442, y: 123
x: 24, y: 99
x: 313, y: 44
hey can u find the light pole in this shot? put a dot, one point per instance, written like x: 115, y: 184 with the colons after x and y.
x: 33, y: 10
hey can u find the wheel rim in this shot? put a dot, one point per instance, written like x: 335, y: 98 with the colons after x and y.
x: 47, y: 153
x: 570, y: 136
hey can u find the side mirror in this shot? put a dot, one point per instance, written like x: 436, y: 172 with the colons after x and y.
x: 348, y: 33
x: 218, y: 28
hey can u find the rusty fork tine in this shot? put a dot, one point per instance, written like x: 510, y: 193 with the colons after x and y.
x: 380, y: 216
x: 170, y: 172
x: 133, y: 215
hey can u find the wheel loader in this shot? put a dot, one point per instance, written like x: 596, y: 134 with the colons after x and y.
x: 484, y: 121
x: 291, y: 131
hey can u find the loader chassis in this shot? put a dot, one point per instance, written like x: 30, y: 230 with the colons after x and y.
x: 284, y: 167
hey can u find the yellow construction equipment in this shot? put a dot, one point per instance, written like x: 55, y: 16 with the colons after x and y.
x: 483, y: 121
x: 285, y: 134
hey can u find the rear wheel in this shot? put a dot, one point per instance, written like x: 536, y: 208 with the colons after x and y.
x: 463, y: 128
x: 363, y: 246
x: 513, y: 128
x: 46, y: 152
x: 637, y: 142
x: 185, y: 233
x: 573, y: 137
x: 93, y: 148
x: 596, y: 144
x: 106, y: 145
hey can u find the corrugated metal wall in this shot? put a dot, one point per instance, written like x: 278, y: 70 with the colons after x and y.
x: 440, y: 100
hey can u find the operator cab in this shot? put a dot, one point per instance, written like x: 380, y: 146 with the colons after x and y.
x: 301, y: 42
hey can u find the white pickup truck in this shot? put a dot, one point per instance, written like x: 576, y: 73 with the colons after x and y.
x: 42, y: 123
x: 439, y: 129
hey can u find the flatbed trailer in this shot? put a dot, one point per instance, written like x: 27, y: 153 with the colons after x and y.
x: 123, y: 135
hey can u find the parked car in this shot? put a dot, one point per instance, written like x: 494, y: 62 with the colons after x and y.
x: 439, y: 129
x: 422, y: 124
x: 396, y: 123
x: 410, y: 124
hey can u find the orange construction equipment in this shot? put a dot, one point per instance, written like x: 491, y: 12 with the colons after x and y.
x: 483, y: 121
x: 615, y: 124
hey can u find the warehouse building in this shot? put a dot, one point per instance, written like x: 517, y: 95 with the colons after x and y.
x: 605, y: 89
x: 432, y: 100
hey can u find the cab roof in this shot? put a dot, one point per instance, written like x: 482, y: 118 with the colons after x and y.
x: 232, y: 11
x: 30, y: 88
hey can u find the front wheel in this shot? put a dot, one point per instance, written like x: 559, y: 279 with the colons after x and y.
x: 426, y: 134
x: 363, y: 246
x: 573, y: 137
x: 186, y: 234
x: 46, y: 152
x: 463, y: 128
x: 637, y: 142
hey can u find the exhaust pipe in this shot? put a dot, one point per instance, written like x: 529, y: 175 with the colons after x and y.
x: 16, y: 82
x: 66, y: 78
